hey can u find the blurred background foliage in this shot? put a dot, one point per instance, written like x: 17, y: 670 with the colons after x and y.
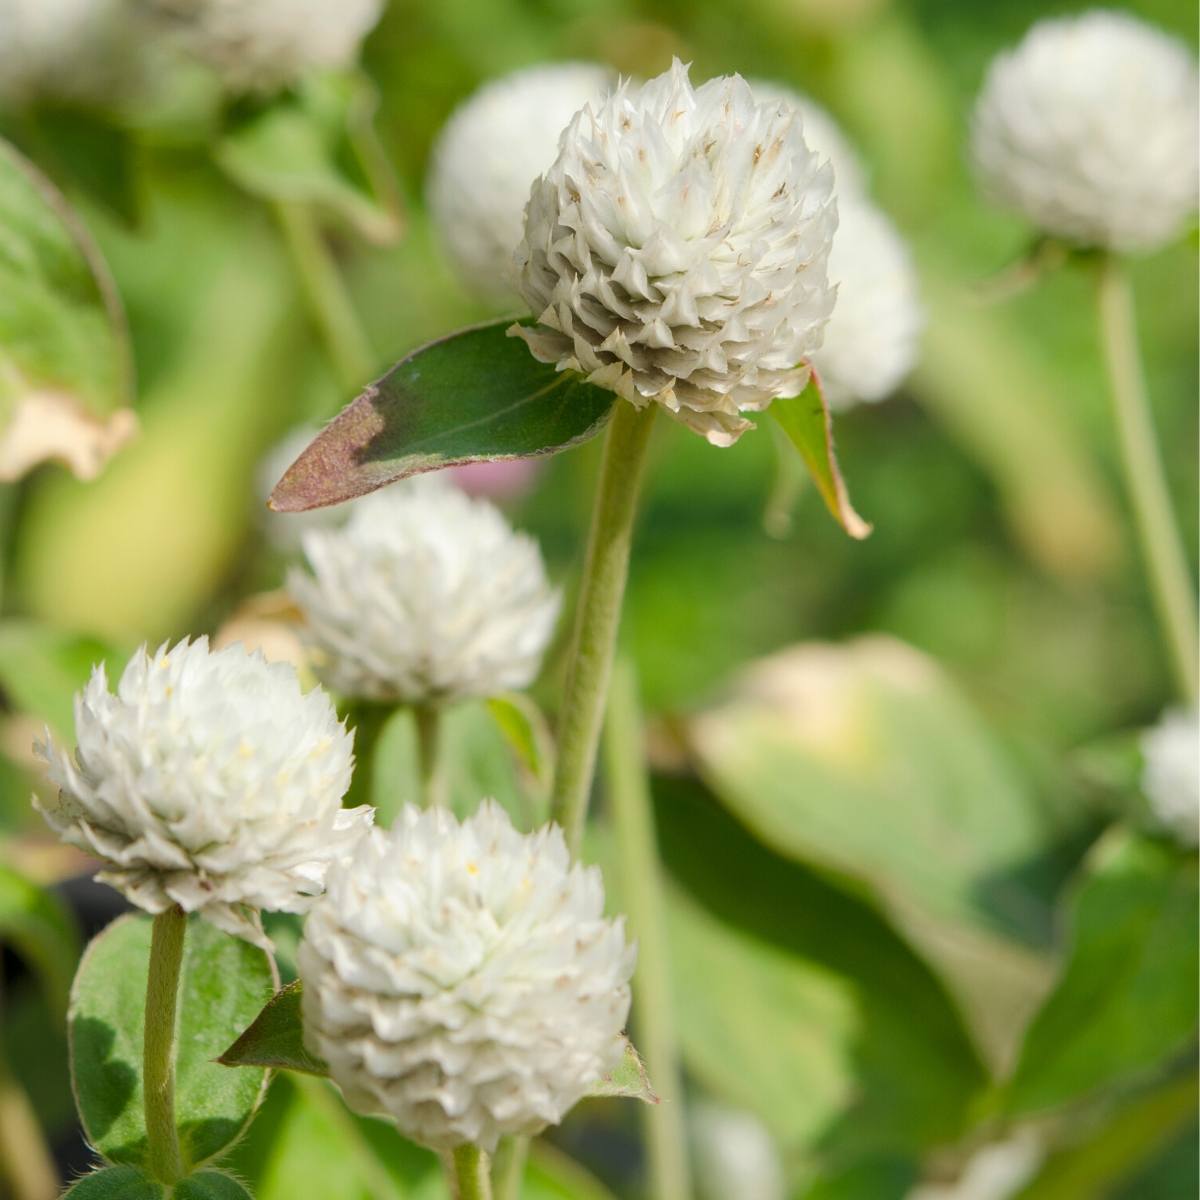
x: 911, y: 907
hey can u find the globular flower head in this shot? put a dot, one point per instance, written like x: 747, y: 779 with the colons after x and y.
x: 424, y: 595
x: 486, y: 158
x: 1171, y: 774
x: 872, y: 337
x: 462, y: 978
x: 265, y: 45
x: 1089, y: 129
x: 208, y: 780
x: 676, y: 251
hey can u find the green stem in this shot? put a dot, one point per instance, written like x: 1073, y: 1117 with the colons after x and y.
x: 508, y: 1169
x: 632, y: 814
x: 326, y: 294
x: 598, y: 613
x: 367, y: 721
x: 467, y: 1170
x: 158, y: 1063
x: 427, y: 718
x: 1170, y: 584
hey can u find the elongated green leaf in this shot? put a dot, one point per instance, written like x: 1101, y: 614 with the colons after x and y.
x: 225, y: 982
x: 807, y: 422
x: 525, y: 727
x: 37, y: 925
x: 478, y: 394
x: 276, y: 1037
x: 116, y: 1183
x: 628, y: 1079
x: 210, y: 1185
x: 1126, y: 1001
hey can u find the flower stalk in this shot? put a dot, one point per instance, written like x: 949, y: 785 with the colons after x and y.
x: 1166, y: 567
x: 598, y: 613
x: 468, y: 1171
x: 158, y: 1061
x: 428, y: 721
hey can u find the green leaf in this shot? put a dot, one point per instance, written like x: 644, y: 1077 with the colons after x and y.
x: 1126, y: 1001
x: 210, y: 1185
x: 864, y: 758
x: 826, y: 1048
x: 627, y: 1079
x: 317, y: 145
x: 475, y: 395
x: 527, y: 731
x: 41, y: 930
x: 807, y: 422
x: 276, y: 1037
x: 116, y: 1183
x: 225, y: 982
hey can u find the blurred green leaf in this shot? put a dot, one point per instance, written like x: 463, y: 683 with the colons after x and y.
x: 807, y: 422
x: 627, y: 1079
x: 472, y: 396
x: 317, y: 145
x: 210, y: 1185
x: 116, y: 1183
x: 864, y: 758
x: 840, y: 1038
x: 275, y: 1038
x: 525, y: 727
x: 1126, y: 1001
x: 225, y: 982
x: 41, y: 930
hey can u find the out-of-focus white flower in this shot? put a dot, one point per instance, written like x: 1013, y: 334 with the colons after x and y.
x: 265, y: 45
x: 735, y: 1155
x: 996, y: 1172
x: 676, y: 251
x: 1171, y: 776
x: 425, y: 595
x: 285, y: 530
x: 462, y: 979
x: 209, y: 780
x: 1089, y: 129
x: 871, y: 340
x: 823, y: 135
x: 495, y: 144
x: 61, y: 48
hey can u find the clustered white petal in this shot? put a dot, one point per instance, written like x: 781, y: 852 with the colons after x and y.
x: 425, y: 595
x: 265, y: 45
x: 487, y: 156
x: 735, y: 1155
x: 208, y: 780
x: 676, y: 251
x: 462, y: 979
x: 1089, y: 129
x: 871, y: 340
x: 1171, y: 775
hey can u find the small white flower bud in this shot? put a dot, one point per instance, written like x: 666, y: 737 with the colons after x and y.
x: 675, y: 253
x: 1171, y: 775
x: 424, y: 595
x: 462, y: 979
x: 209, y: 780
x: 495, y: 144
x: 1089, y: 129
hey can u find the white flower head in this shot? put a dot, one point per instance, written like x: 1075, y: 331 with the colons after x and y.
x: 462, y: 979
x: 1171, y: 774
x: 872, y: 337
x: 265, y: 45
x: 735, y: 1155
x: 1089, y: 129
x: 675, y: 253
x: 208, y: 780
x: 485, y: 160
x: 425, y: 595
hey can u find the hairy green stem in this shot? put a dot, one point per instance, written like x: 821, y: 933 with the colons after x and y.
x: 427, y: 718
x: 328, y: 301
x: 158, y: 1061
x: 508, y: 1170
x: 632, y: 813
x: 468, y: 1172
x: 1170, y: 584
x: 598, y: 613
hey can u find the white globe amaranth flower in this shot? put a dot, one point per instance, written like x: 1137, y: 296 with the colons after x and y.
x: 871, y: 341
x: 425, y: 595
x: 823, y: 135
x: 1089, y: 129
x: 1171, y: 773
x: 675, y: 253
x: 208, y: 780
x: 735, y: 1155
x: 462, y: 979
x: 265, y: 45
x: 495, y: 144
